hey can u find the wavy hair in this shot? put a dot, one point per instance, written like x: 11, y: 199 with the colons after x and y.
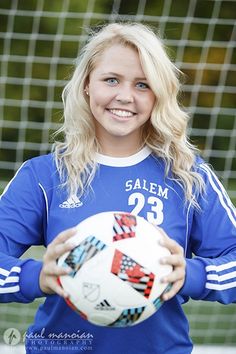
x: 165, y: 132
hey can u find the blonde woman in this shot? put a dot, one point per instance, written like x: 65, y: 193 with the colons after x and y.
x: 124, y: 148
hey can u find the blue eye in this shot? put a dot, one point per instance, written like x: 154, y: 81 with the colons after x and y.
x: 142, y: 85
x: 111, y: 81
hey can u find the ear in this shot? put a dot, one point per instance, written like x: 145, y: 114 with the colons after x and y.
x: 86, y: 90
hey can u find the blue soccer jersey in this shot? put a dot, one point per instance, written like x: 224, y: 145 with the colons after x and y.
x: 34, y: 209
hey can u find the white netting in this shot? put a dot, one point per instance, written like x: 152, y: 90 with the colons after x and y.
x: 39, y: 40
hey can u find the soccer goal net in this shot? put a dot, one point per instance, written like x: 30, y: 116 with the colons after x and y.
x: 39, y: 41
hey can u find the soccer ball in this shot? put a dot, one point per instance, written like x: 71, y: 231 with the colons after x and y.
x: 116, y: 273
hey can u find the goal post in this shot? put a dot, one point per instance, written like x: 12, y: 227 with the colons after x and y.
x: 39, y: 41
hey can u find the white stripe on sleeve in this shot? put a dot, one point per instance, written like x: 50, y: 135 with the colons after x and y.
x: 221, y: 277
x: 14, y: 280
x: 223, y: 197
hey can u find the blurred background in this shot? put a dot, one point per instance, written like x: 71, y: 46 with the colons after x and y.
x: 39, y: 41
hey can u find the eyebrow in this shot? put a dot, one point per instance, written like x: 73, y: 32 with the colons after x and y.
x: 110, y: 73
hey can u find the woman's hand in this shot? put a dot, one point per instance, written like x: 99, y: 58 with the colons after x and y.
x: 177, y: 261
x: 50, y: 270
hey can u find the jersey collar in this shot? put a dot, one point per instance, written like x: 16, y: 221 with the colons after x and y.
x: 123, y: 161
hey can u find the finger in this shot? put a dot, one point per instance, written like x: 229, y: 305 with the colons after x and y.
x: 57, y: 288
x: 176, y: 260
x: 168, y: 242
x: 52, y: 269
x: 55, y: 251
x: 172, y: 245
x: 173, y: 291
x: 64, y: 236
x: 177, y: 275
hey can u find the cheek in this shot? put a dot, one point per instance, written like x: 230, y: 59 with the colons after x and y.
x: 98, y: 97
x: 98, y: 104
x: 148, y: 104
x: 152, y: 99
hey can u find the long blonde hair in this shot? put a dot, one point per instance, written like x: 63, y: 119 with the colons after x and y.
x: 165, y: 132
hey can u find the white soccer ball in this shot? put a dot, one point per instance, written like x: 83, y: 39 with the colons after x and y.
x: 116, y: 270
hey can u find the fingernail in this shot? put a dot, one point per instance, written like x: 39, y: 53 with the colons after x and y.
x: 66, y: 269
x: 165, y: 297
x: 69, y: 270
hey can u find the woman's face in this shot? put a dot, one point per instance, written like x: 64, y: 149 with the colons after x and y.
x: 120, y: 99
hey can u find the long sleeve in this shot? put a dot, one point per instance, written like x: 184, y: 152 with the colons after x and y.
x: 22, y: 219
x: 211, y: 274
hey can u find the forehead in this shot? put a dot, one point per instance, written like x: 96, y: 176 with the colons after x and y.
x: 120, y: 58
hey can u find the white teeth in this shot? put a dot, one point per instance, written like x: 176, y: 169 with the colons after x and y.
x: 121, y: 113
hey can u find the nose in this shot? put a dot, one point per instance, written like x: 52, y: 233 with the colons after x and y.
x: 125, y: 95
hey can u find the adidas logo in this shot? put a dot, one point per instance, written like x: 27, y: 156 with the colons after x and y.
x: 72, y: 202
x: 104, y: 306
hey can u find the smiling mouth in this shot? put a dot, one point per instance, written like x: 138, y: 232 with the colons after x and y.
x: 121, y: 113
